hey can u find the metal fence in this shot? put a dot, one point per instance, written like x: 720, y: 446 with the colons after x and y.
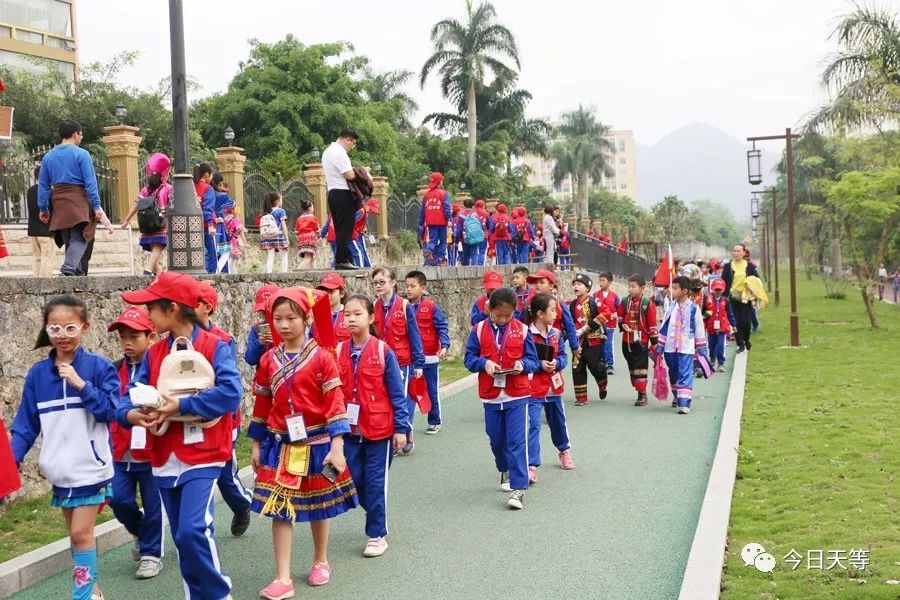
x: 595, y: 257
x: 257, y: 186
x: 403, y: 214
x: 17, y: 175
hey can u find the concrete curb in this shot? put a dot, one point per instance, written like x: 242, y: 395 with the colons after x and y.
x: 45, y: 562
x: 703, y: 574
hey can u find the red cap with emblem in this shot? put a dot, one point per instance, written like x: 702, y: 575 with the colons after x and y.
x: 168, y: 285
x: 542, y: 274
x: 133, y: 318
x: 492, y: 280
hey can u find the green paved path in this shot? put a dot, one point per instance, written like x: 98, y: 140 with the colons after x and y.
x: 619, y: 526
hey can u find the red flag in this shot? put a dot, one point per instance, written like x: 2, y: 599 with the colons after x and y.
x: 419, y: 392
x: 2, y: 87
x: 9, y: 473
x: 666, y: 271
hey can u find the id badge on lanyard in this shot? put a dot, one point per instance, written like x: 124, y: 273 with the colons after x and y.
x: 716, y: 324
x: 296, y: 427
x: 500, y: 380
x: 353, y: 413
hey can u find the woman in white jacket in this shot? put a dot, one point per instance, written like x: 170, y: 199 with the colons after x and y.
x: 551, y: 232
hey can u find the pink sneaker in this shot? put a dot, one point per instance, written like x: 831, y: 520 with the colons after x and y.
x: 278, y: 590
x: 532, y: 475
x: 565, y: 460
x: 320, y: 574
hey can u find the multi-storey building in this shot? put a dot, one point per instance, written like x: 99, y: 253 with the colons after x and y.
x: 39, y: 29
x: 622, y: 159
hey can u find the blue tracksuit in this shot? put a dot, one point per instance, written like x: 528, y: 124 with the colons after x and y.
x: 187, y: 493
x: 568, y: 327
x: 369, y: 460
x: 208, y: 204
x: 146, y: 525
x: 436, y: 248
x: 718, y: 341
x: 430, y: 372
x: 505, y: 419
x: 477, y: 315
x: 552, y: 406
x: 359, y: 254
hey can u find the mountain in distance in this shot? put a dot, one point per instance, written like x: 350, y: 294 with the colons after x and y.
x: 700, y: 161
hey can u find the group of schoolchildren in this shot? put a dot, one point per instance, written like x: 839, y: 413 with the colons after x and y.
x: 452, y: 234
x: 338, y: 379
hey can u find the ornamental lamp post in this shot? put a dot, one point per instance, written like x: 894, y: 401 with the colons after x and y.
x: 229, y: 136
x: 754, y: 206
x: 121, y: 112
x: 376, y: 168
x: 754, y: 165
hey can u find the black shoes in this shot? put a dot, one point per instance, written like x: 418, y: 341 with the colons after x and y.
x: 239, y: 523
x: 347, y: 267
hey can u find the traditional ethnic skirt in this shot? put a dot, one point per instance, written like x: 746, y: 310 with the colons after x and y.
x: 276, y: 243
x: 290, y: 486
x: 148, y: 240
x: 306, y: 243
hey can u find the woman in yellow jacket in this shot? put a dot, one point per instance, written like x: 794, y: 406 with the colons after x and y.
x: 735, y: 274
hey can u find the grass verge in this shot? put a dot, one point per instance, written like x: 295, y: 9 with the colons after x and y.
x: 819, y: 453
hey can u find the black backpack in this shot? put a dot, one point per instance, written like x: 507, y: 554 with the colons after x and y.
x: 150, y: 219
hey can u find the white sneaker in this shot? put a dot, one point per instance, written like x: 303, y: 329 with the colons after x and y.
x: 516, y: 500
x: 683, y: 410
x: 504, y: 482
x: 150, y: 567
x: 375, y: 547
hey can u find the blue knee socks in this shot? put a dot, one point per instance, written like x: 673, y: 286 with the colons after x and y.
x: 84, y: 573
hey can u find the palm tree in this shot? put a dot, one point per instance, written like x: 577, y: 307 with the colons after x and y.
x: 527, y: 136
x: 864, y: 77
x: 584, y: 155
x: 464, y: 53
x: 386, y: 87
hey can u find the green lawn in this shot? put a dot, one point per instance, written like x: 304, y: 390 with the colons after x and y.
x: 820, y: 452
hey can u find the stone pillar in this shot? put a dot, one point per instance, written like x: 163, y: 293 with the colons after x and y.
x: 491, y: 205
x: 572, y: 220
x: 380, y: 189
x: 462, y: 197
x: 231, y: 161
x: 314, y: 178
x: 597, y: 226
x: 122, y: 143
x: 420, y: 192
x: 585, y: 225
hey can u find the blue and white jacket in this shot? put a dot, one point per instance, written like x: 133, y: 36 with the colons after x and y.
x: 75, y: 451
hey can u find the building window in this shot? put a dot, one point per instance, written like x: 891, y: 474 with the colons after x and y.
x: 623, y: 186
x: 49, y: 16
x: 36, y: 66
x: 622, y: 161
x: 29, y: 36
x: 621, y: 145
x: 5, y: 32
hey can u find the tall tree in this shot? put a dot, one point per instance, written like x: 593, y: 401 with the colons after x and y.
x: 672, y: 219
x: 388, y: 87
x: 584, y: 155
x: 864, y: 77
x: 463, y: 55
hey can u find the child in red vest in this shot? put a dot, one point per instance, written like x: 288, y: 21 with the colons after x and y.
x: 187, y: 459
x: 609, y: 303
x: 502, y: 352
x: 395, y: 323
x: 522, y: 234
x: 502, y: 235
x: 298, y: 428
x: 131, y: 453
x: 720, y: 323
x: 376, y: 407
x: 434, y: 217
x: 637, y: 321
x: 333, y: 285
x: 307, y: 229
x: 491, y: 280
x: 547, y: 385
x: 435, y: 334
x: 523, y: 291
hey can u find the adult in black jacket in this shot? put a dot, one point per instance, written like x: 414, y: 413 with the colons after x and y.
x: 743, y: 311
x: 42, y: 246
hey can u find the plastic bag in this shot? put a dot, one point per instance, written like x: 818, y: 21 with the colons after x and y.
x: 660, y: 380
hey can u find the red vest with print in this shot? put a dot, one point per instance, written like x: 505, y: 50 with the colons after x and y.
x: 392, y: 328
x: 541, y: 382
x: 434, y: 207
x: 216, y: 444
x: 517, y: 386
x: 720, y: 314
x: 341, y: 333
x: 121, y: 437
x: 521, y: 225
x: 367, y: 388
x: 501, y: 227
x: 431, y: 343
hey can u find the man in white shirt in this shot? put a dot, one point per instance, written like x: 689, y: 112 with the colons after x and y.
x: 341, y: 203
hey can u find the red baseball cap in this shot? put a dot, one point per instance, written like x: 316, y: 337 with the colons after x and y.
x: 331, y: 281
x: 717, y: 284
x: 492, y: 280
x: 168, y: 285
x: 372, y: 206
x: 208, y: 295
x: 262, y: 296
x: 133, y: 318
x: 542, y: 274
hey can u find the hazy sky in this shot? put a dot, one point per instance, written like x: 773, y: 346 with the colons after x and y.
x: 749, y: 68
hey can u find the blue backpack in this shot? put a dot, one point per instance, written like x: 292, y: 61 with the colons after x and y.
x: 473, y: 232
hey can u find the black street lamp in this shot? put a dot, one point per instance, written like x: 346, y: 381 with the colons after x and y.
x: 121, y: 112
x: 229, y: 136
x: 315, y: 155
x: 754, y: 165
x: 376, y: 168
x: 184, y: 223
x: 754, y: 206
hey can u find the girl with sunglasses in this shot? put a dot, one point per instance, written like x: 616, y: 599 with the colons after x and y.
x: 69, y: 398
